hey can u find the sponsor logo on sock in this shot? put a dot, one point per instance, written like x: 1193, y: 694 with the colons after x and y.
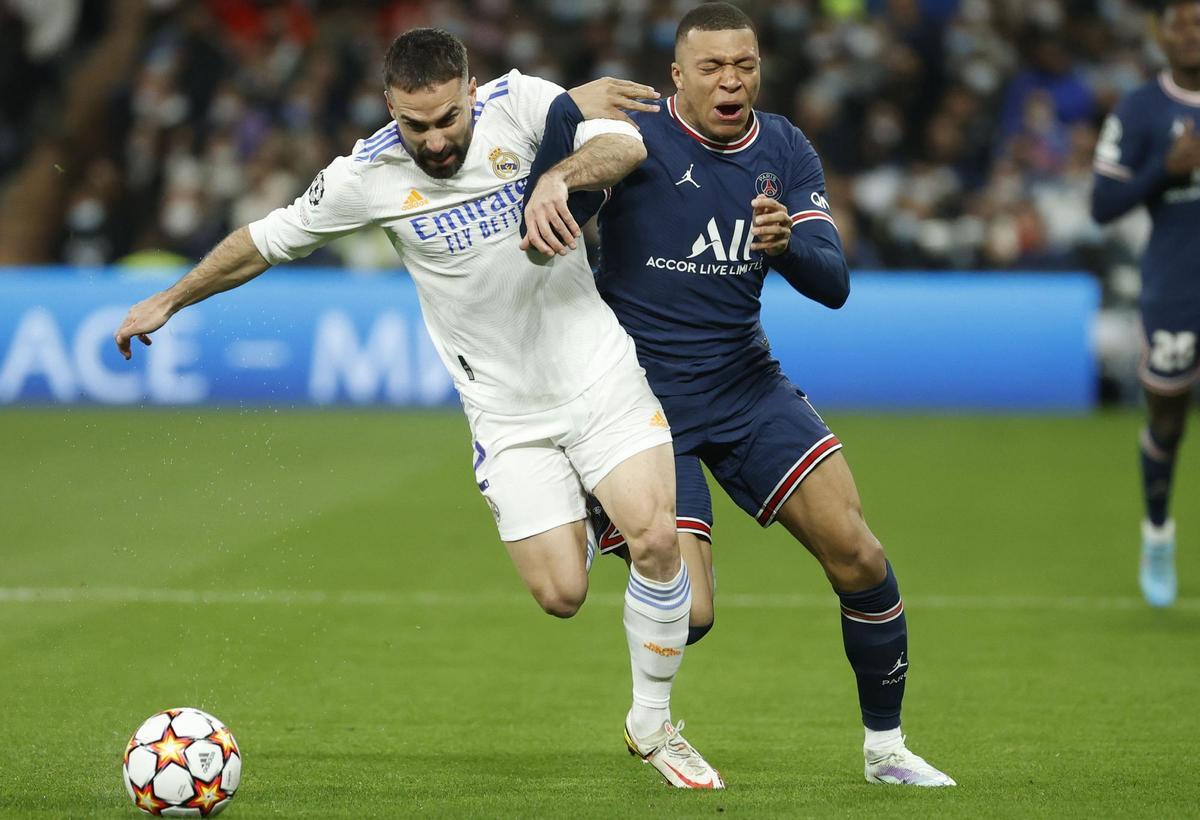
x: 665, y: 651
x: 900, y: 664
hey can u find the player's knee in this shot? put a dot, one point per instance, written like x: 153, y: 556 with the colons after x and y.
x: 560, y: 600
x: 655, y: 548
x: 855, y: 559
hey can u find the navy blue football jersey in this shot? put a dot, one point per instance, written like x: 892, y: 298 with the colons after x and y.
x: 675, y: 260
x: 1130, y: 171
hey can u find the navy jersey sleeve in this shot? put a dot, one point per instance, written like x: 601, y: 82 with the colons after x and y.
x: 558, y: 142
x: 814, y: 263
x: 1128, y: 171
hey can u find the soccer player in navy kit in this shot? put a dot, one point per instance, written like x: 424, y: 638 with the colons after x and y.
x: 726, y: 194
x: 1149, y: 154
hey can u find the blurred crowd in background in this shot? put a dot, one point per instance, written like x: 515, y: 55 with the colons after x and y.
x: 954, y: 133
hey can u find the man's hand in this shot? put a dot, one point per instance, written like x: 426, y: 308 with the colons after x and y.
x: 609, y: 99
x: 143, y: 319
x: 549, y: 226
x: 1184, y: 156
x: 772, y: 227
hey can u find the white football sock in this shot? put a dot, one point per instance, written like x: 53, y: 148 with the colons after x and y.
x: 884, y: 741
x: 656, y: 627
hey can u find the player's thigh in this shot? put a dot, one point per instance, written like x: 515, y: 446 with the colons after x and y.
x: 639, y: 496
x: 528, y: 483
x: 623, y: 454
x: 825, y: 514
x: 1170, y: 364
x: 765, y: 451
x: 693, y: 507
x: 788, y: 467
x: 553, y: 565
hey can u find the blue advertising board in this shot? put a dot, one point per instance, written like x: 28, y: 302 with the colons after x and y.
x: 300, y: 337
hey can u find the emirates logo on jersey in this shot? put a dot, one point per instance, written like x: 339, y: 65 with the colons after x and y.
x: 505, y: 164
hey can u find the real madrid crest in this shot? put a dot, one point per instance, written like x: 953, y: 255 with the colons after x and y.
x: 767, y: 184
x: 505, y: 164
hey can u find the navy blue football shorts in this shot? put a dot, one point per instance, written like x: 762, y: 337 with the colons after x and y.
x: 759, y: 437
x: 1169, y: 337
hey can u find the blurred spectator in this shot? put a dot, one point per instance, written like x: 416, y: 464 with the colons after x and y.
x: 955, y: 133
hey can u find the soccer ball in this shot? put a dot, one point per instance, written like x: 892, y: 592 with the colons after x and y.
x: 182, y: 763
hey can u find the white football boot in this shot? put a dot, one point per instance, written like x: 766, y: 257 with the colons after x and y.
x: 1157, y: 573
x: 897, y: 766
x: 674, y: 757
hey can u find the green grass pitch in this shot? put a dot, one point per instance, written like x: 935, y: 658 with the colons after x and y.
x: 361, y: 630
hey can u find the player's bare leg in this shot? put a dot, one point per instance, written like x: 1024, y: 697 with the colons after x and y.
x: 697, y: 554
x: 639, y: 496
x: 553, y: 565
x: 825, y: 514
x: 1159, y: 445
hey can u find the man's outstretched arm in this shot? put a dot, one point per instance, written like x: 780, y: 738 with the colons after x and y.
x: 233, y: 262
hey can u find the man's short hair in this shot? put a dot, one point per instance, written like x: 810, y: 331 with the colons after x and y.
x: 712, y: 17
x: 424, y: 57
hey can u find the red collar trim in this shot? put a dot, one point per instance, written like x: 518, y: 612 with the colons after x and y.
x: 733, y: 147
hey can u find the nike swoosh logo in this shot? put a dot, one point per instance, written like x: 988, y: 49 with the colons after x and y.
x: 688, y: 780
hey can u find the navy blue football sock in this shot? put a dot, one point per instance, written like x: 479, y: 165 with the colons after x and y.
x: 1158, y: 467
x: 876, y: 638
x: 695, y: 633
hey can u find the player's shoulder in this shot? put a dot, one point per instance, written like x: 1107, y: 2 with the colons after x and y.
x: 499, y: 92
x: 1148, y: 97
x: 654, y: 120
x: 778, y: 130
x: 512, y: 90
x: 383, y: 145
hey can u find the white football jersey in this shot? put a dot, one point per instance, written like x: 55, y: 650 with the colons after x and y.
x: 517, y: 335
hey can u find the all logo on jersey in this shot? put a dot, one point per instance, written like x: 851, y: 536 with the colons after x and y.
x: 768, y: 184
x: 738, y: 249
x: 316, y: 190
x: 505, y: 164
x: 415, y: 199
x: 717, y: 251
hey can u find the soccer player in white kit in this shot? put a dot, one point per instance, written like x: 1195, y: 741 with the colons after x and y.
x: 556, y: 400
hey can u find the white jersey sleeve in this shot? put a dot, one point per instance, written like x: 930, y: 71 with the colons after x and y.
x: 590, y: 129
x: 334, y: 205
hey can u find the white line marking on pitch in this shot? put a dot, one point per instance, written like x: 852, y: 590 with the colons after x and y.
x: 290, y: 597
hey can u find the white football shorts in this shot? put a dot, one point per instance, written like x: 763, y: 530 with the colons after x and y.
x: 533, y: 469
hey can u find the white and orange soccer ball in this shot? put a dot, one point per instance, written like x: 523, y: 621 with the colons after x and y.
x: 182, y: 763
